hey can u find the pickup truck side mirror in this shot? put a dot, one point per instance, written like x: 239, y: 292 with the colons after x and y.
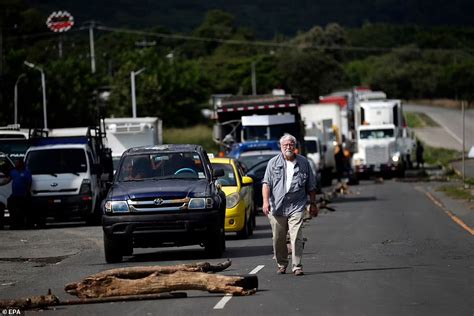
x: 218, y: 173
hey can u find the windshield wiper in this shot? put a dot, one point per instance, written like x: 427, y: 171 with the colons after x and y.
x: 134, y: 180
x: 164, y: 178
x: 53, y: 174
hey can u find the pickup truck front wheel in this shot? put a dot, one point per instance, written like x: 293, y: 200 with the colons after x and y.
x: 113, y: 253
x: 215, y: 245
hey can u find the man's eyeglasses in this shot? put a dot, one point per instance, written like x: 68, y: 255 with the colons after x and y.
x: 290, y: 145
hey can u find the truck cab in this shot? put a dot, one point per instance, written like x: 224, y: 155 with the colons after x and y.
x: 378, y: 151
x: 65, y: 180
x: 70, y: 174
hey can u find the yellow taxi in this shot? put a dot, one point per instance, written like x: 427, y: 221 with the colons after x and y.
x: 238, y: 189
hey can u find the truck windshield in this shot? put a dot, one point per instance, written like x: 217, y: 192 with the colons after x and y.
x: 53, y: 161
x: 311, y: 146
x: 161, y: 165
x: 272, y: 132
x: 14, y: 149
x: 377, y: 133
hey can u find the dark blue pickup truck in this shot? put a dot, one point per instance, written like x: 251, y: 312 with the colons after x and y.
x: 164, y: 196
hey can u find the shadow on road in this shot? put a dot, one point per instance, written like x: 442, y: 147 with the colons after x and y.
x: 357, y: 270
x: 355, y: 199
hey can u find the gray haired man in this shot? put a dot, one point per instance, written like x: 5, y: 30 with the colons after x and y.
x: 287, y: 183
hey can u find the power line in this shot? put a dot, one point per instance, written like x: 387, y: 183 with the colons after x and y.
x: 237, y: 42
x: 243, y: 42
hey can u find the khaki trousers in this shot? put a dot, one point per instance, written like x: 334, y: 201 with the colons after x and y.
x: 294, y: 226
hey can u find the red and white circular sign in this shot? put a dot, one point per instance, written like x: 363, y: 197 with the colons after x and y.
x: 60, y: 21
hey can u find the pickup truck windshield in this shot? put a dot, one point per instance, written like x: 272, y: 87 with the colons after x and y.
x: 174, y: 165
x: 377, y: 133
x: 53, y: 161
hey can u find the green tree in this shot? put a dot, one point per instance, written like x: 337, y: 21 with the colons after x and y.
x: 309, y: 73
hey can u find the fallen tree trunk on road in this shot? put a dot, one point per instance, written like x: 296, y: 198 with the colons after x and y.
x: 108, y: 286
x: 140, y: 272
x: 45, y: 301
x: 143, y: 283
x: 31, y: 302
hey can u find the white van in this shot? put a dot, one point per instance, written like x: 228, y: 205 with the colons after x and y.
x: 65, y: 181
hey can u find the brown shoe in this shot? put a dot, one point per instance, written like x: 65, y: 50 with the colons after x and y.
x: 281, y: 270
x: 299, y: 272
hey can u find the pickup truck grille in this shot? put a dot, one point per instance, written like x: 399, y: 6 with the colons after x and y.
x: 158, y: 205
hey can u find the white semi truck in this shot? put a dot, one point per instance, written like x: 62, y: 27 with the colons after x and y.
x: 384, y: 142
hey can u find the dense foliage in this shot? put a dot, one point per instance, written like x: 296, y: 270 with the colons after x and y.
x: 182, y: 71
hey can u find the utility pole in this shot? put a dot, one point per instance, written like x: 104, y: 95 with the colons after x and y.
x: 254, y: 80
x: 463, y: 144
x: 91, y: 44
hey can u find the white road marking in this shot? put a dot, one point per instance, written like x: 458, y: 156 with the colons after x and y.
x: 258, y: 268
x: 223, y: 301
x: 227, y: 297
x: 450, y: 132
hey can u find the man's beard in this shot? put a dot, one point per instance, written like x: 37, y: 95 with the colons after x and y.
x: 289, y: 153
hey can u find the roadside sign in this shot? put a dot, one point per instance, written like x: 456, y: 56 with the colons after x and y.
x: 60, y: 21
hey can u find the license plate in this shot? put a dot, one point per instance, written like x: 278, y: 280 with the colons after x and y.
x: 57, y: 201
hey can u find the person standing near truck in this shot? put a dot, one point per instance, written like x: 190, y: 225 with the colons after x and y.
x: 19, y: 200
x: 287, y: 183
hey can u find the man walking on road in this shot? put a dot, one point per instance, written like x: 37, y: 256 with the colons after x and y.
x: 287, y: 182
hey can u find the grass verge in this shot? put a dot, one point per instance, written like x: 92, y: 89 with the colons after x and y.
x: 419, y: 120
x: 440, y: 156
x: 199, y: 135
x: 457, y: 191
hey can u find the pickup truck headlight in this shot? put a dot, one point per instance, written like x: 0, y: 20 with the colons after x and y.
x: 116, y: 207
x: 200, y: 203
x: 232, y: 200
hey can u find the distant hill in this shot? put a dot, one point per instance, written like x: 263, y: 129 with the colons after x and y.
x: 266, y: 17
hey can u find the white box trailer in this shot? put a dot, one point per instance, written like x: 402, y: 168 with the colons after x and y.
x: 126, y: 132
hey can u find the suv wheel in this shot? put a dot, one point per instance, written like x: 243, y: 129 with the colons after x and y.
x: 112, y: 250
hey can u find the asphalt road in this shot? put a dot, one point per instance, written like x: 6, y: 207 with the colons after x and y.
x: 387, y: 250
x: 450, y: 133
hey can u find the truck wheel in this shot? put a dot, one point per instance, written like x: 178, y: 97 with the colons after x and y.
x: 215, y: 245
x: 112, y: 250
x: 94, y: 218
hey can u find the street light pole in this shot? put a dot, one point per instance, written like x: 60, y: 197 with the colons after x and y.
x: 43, y: 85
x: 15, y: 99
x: 132, y: 88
